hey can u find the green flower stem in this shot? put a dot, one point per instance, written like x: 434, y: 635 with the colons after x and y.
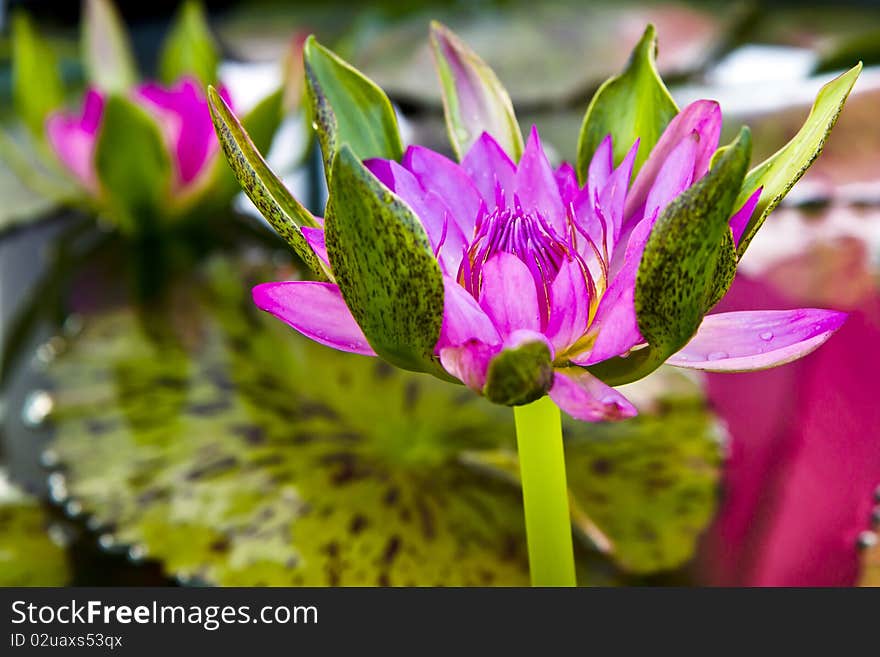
x: 545, y: 493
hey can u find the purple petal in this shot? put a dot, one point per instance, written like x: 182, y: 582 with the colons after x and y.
x: 536, y: 186
x: 702, y: 117
x: 73, y: 138
x: 584, y: 397
x: 508, y: 294
x: 756, y: 339
x: 183, y: 113
x: 613, y: 195
x: 615, y: 324
x: 566, y: 181
x: 490, y: 168
x: 469, y: 362
x: 570, y: 306
x: 676, y: 175
x: 605, y: 230
x: 463, y: 319
x: 316, y: 310
x: 448, y: 180
x: 315, y: 239
x: 601, y: 167
x: 741, y: 217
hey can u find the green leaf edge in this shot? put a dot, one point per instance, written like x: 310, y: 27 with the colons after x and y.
x: 324, y: 118
x: 274, y: 201
x: 644, y: 53
x: 841, y: 85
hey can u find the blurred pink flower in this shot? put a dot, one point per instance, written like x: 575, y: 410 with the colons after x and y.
x: 181, y: 111
x: 804, y: 459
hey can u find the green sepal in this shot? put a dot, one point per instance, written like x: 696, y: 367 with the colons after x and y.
x: 189, y: 48
x: 519, y: 375
x: 37, y: 89
x: 384, y: 265
x: 348, y: 108
x: 474, y: 100
x: 778, y: 173
x: 283, y: 212
x: 676, y: 273
x: 632, y: 105
x: 725, y: 270
x: 133, y: 166
x: 107, y: 53
x: 676, y: 280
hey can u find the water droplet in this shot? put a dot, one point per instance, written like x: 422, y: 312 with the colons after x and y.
x: 73, y: 325
x: 73, y: 508
x: 37, y: 407
x: 106, y: 541
x: 57, y: 487
x: 47, y: 351
x: 767, y: 336
x: 867, y: 539
x: 49, y: 458
x: 60, y: 535
x: 137, y: 553
x: 717, y: 355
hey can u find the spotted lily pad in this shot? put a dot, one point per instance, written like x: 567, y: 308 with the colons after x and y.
x: 235, y: 452
x: 28, y: 555
x: 642, y: 490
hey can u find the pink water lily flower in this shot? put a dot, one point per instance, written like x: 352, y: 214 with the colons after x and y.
x: 181, y: 111
x: 529, y: 255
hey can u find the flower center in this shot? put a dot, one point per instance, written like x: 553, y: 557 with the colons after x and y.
x: 528, y: 236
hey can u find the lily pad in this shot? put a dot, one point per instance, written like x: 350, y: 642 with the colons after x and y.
x: 28, y: 556
x: 235, y: 452
x: 641, y: 490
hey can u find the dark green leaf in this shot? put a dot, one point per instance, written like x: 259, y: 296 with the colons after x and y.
x: 286, y: 215
x: 189, y: 48
x: 133, y: 165
x: 633, y: 105
x: 37, y: 88
x: 520, y: 375
x: 107, y: 52
x: 348, y: 108
x: 778, y: 174
x: 384, y: 265
x: 725, y: 270
x: 474, y: 101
